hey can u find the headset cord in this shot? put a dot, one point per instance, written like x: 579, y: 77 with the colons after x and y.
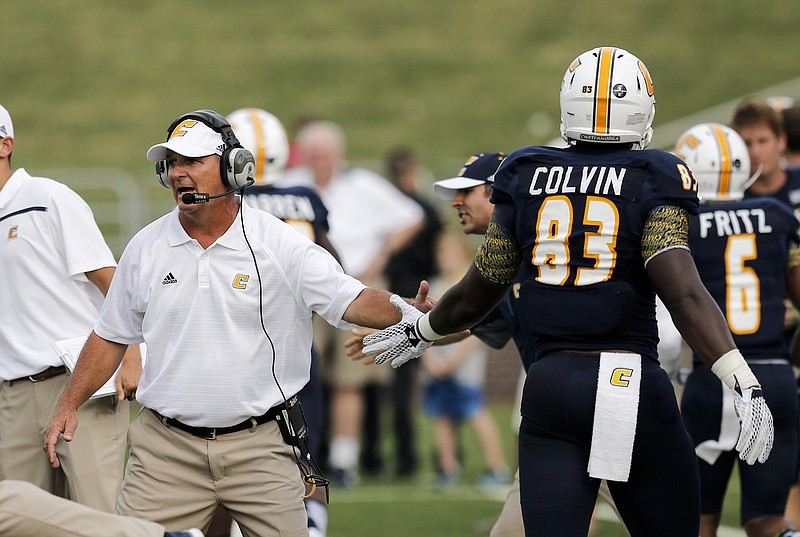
x: 309, y: 470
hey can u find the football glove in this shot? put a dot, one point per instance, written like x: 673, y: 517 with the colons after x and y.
x: 400, y: 342
x: 757, y: 431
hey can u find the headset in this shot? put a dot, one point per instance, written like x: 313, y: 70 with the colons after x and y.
x: 237, y: 167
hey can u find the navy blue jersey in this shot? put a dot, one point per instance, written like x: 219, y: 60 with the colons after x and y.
x: 741, y: 251
x: 789, y: 192
x: 503, y: 323
x: 298, y: 206
x: 577, y: 215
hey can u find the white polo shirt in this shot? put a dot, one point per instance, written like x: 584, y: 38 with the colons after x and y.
x: 209, y: 362
x: 364, y: 209
x: 48, y: 240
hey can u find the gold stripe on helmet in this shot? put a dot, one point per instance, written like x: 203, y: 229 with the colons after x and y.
x: 647, y: 80
x: 725, y: 165
x: 602, y: 99
x: 261, y: 143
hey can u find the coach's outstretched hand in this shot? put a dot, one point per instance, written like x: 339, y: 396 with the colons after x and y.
x: 401, y: 342
x: 757, y: 429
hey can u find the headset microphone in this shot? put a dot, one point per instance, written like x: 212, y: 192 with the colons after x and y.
x: 191, y: 198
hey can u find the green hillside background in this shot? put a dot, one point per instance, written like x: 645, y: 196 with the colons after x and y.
x: 94, y: 83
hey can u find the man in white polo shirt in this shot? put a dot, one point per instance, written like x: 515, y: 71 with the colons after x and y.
x: 223, y: 295
x: 55, y: 268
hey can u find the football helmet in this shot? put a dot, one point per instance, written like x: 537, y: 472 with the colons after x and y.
x: 263, y: 134
x: 719, y: 160
x: 607, y: 97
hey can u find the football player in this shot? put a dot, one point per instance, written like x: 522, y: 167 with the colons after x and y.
x: 596, y: 230
x: 747, y: 254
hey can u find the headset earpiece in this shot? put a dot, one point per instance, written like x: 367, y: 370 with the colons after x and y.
x: 237, y: 166
x: 162, y: 173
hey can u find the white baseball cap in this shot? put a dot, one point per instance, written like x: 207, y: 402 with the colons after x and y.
x: 477, y: 170
x: 6, y: 127
x: 190, y: 138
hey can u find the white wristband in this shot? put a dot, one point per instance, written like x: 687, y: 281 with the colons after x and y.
x: 425, y: 330
x: 731, y: 367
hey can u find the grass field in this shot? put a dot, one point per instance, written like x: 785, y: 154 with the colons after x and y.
x: 391, y: 508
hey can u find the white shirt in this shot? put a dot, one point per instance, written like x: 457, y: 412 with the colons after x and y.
x: 48, y: 240
x: 364, y: 210
x: 209, y: 362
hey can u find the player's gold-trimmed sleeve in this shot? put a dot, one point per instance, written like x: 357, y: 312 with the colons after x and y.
x: 794, y: 257
x: 667, y: 227
x: 498, y: 258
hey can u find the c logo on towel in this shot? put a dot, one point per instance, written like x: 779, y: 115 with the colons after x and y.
x: 621, y: 376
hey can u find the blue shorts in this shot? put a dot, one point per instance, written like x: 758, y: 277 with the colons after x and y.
x: 764, y: 487
x: 446, y: 398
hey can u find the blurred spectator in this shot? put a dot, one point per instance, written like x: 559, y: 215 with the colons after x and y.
x: 761, y: 128
x: 370, y: 220
x: 454, y: 391
x: 404, y: 270
x: 296, y: 157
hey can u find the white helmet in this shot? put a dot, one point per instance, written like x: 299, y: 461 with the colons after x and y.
x: 607, y: 97
x: 719, y: 160
x: 264, y: 135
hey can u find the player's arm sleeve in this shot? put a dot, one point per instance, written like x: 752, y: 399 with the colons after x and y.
x: 498, y: 258
x: 667, y: 227
x: 794, y: 257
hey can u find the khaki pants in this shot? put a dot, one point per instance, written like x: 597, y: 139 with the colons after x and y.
x: 28, y: 511
x: 91, y: 464
x: 178, y: 480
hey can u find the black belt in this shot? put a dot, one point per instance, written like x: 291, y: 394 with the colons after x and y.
x: 50, y: 372
x: 210, y: 433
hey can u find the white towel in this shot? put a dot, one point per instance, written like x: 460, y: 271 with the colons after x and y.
x: 615, y: 412
x: 729, y: 427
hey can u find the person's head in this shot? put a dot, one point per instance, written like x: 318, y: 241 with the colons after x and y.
x: 718, y: 158
x: 201, y: 154
x: 607, y: 97
x: 469, y: 191
x: 761, y: 128
x: 263, y: 135
x: 6, y: 141
x: 323, y: 146
x: 791, y: 126
x: 403, y: 170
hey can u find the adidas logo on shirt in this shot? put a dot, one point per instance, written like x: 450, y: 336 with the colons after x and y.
x: 168, y: 279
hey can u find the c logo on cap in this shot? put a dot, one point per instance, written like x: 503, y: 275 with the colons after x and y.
x: 180, y: 130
